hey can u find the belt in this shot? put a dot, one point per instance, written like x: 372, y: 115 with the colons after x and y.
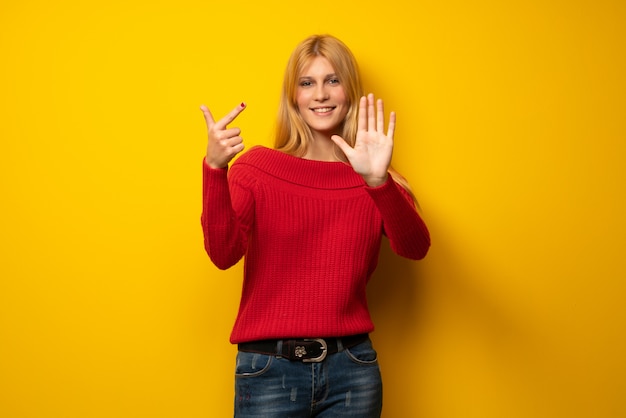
x: 312, y: 350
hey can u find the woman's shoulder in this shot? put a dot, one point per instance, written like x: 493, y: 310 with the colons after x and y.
x: 275, y: 165
x: 256, y: 153
x: 263, y: 158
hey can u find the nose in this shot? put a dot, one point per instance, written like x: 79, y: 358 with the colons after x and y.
x: 321, y: 92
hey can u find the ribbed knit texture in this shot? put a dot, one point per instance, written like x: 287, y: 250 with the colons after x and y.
x: 310, y: 232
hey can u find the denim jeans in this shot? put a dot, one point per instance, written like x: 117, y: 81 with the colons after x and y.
x: 345, y: 384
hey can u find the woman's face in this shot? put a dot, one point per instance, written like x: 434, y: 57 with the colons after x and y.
x: 321, y: 98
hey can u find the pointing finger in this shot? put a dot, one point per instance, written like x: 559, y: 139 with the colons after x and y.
x: 231, y: 116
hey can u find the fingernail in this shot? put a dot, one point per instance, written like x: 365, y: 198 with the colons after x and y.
x: 243, y: 104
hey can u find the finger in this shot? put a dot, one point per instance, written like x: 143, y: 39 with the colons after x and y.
x: 380, y: 123
x: 371, y: 114
x: 208, y: 117
x: 238, y: 148
x: 227, y: 134
x: 231, y: 116
x: 233, y: 143
x: 392, y: 125
x: 233, y: 150
x: 342, y: 144
x: 362, y: 123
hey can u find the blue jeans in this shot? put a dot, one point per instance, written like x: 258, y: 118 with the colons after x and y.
x: 345, y: 384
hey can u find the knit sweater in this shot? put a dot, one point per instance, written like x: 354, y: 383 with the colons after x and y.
x: 310, y: 232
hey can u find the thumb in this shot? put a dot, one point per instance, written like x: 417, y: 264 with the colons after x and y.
x: 342, y: 144
x: 208, y: 117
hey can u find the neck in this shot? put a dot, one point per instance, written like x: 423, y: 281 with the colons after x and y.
x: 321, y: 149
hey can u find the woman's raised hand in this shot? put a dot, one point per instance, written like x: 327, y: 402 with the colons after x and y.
x: 224, y: 143
x: 371, y: 155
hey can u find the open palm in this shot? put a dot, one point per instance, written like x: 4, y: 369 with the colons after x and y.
x: 371, y: 155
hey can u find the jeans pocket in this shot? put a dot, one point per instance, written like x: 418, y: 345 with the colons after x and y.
x: 363, y: 353
x: 252, y: 364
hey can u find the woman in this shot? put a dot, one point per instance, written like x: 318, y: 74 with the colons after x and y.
x: 309, y: 217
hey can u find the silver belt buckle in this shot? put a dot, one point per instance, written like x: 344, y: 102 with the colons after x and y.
x: 322, y: 356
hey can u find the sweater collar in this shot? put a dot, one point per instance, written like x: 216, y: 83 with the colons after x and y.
x: 309, y: 173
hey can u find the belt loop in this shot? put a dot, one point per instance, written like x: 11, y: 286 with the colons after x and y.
x: 279, y: 348
x: 339, y: 345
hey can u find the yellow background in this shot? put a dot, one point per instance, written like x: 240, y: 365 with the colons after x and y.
x: 511, y: 129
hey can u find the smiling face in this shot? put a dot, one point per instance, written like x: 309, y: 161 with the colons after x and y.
x: 321, y: 98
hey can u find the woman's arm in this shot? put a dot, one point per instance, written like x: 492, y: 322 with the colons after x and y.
x: 402, y: 224
x: 222, y: 241
x: 225, y: 235
x: 371, y: 158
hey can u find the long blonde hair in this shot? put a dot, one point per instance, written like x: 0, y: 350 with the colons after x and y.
x: 293, y: 135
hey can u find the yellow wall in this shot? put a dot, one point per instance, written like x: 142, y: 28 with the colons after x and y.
x: 511, y: 128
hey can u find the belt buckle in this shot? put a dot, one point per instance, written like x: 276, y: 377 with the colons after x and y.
x: 322, y: 356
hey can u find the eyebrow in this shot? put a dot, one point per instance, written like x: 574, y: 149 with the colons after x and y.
x: 305, y: 77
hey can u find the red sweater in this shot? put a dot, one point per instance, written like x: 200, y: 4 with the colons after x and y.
x: 310, y: 232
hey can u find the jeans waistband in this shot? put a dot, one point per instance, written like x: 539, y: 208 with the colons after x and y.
x: 313, y: 350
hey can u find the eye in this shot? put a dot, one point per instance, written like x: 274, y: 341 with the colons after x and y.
x: 306, y: 83
x: 333, y: 80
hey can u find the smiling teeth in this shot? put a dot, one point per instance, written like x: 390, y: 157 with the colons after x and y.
x: 323, y: 109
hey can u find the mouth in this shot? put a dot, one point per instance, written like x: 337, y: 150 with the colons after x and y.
x: 323, y: 110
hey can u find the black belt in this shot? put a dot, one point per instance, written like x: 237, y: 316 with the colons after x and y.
x: 304, y: 350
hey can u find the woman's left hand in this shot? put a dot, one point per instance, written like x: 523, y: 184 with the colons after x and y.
x: 371, y: 155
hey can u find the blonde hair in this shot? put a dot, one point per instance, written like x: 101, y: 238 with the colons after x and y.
x: 293, y: 135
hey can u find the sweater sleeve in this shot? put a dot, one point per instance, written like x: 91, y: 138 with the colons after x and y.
x: 224, y: 225
x: 402, y: 224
